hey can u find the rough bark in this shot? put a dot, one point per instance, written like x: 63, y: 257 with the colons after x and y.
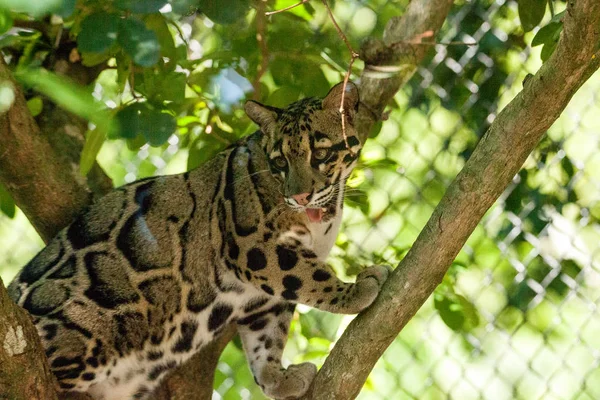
x: 20, y: 356
x: 497, y: 158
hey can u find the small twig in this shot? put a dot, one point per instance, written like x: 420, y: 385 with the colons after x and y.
x: 286, y: 8
x: 339, y: 30
x: 353, y: 56
x: 261, y: 38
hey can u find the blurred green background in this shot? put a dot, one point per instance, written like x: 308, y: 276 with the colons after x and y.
x: 516, y: 317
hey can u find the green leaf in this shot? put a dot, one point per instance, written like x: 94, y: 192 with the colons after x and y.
x: 547, y: 34
x: 7, y: 204
x: 36, y: 8
x: 35, y: 105
x: 158, y: 127
x: 6, y: 21
x: 547, y: 50
x: 141, y: 6
x: 223, y: 11
x: 458, y: 313
x: 531, y: 13
x: 93, y: 143
x: 129, y: 121
x: 123, y: 69
x: 158, y: 24
x: 139, y: 42
x: 142, y: 118
x: 283, y: 96
x: 184, y: 7
x: 98, y: 33
x: 452, y: 316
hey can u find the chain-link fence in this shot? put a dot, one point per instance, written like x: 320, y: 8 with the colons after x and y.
x: 517, y: 316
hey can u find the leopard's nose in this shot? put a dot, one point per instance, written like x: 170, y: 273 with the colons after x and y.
x: 301, y: 198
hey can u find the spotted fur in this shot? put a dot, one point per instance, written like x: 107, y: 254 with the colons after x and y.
x: 156, y: 269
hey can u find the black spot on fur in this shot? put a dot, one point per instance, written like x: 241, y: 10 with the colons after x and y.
x: 42, y: 262
x: 46, y: 298
x: 256, y: 259
x: 130, y: 332
x: 267, y: 289
x: 255, y: 304
x: 50, y: 331
x: 353, y: 141
x: 334, y: 301
x: 308, y: 254
x: 66, y: 386
x: 154, y: 355
x: 88, y: 376
x: 200, y: 298
x: 348, y: 158
x: 258, y: 324
x: 218, y: 316
x: 292, y: 282
x: 289, y: 295
x: 327, y: 289
x: 66, y: 270
x: 234, y: 249
x: 184, y: 344
x: 109, y: 283
x: 160, y: 369
x: 59, y: 362
x: 268, y: 343
x: 321, y: 275
x: 287, y: 258
x: 92, y: 362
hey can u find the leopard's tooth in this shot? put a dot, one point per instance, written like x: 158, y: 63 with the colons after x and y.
x: 324, y: 209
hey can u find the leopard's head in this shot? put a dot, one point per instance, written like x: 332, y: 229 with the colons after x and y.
x: 307, y: 150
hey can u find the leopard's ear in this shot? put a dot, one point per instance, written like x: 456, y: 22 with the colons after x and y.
x: 333, y: 100
x: 264, y: 116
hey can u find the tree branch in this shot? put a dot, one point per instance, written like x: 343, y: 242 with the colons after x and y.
x: 497, y: 158
x: 51, y: 157
x: 24, y: 374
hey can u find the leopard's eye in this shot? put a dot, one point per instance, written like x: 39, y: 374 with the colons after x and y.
x: 321, y: 154
x: 280, y: 162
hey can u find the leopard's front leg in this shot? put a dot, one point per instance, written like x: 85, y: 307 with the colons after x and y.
x: 295, y: 274
x: 264, y: 335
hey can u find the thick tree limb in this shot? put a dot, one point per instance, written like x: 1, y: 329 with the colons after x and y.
x: 24, y: 374
x: 390, y: 63
x: 35, y: 165
x: 497, y: 158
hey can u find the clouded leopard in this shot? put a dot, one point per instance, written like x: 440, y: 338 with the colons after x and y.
x: 156, y: 269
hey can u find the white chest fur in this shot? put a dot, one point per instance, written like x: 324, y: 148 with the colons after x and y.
x: 324, y: 235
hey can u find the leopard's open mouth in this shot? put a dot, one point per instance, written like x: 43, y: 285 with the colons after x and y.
x: 315, y: 214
